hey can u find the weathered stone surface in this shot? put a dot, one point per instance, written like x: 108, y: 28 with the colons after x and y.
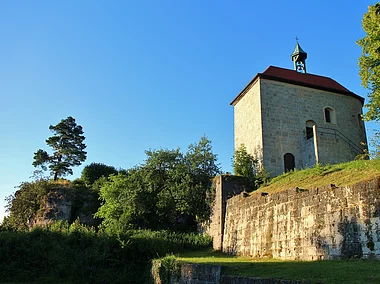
x: 270, y: 120
x: 56, y: 205
x: 323, y: 223
x: 200, y: 274
x: 208, y: 274
x: 66, y: 205
x: 232, y: 186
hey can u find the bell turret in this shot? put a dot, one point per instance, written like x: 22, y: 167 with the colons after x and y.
x: 299, y: 57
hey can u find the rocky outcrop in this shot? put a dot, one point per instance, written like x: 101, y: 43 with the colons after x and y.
x: 68, y: 204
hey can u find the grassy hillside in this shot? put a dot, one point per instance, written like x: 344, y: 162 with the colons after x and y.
x: 339, y: 174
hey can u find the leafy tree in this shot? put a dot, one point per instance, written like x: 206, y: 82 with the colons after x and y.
x: 170, y: 186
x: 245, y: 165
x: 24, y: 204
x: 94, y: 171
x: 127, y: 202
x: 68, y: 149
x: 183, y: 182
x: 203, y: 167
x: 165, y: 173
x: 202, y: 160
x: 369, y: 62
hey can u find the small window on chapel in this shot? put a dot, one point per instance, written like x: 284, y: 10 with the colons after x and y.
x: 327, y: 115
x: 309, y: 132
x: 309, y: 129
x: 330, y: 115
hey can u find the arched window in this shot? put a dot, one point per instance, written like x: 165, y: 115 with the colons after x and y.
x: 330, y: 116
x: 309, y: 129
x: 289, y: 163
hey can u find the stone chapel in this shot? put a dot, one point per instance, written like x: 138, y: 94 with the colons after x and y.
x: 290, y: 119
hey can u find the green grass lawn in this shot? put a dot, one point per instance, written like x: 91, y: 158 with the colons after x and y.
x: 326, y: 271
x: 339, y: 174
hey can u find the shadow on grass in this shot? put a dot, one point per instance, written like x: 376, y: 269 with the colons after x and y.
x: 352, y: 271
x: 327, y: 271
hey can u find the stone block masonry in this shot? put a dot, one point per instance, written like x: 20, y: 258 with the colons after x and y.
x: 226, y: 186
x: 321, y: 223
x: 285, y: 109
x: 207, y: 274
x: 271, y: 118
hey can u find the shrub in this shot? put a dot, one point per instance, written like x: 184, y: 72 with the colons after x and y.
x: 78, y: 254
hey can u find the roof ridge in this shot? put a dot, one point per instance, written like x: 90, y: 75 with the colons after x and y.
x: 296, y: 72
x: 302, y: 79
x: 303, y: 74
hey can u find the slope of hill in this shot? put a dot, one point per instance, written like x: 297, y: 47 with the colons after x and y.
x: 339, y: 174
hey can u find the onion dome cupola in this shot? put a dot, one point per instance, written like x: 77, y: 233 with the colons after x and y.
x: 299, y: 58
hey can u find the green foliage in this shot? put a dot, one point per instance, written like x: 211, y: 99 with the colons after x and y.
x: 63, y: 253
x: 29, y: 201
x: 84, y: 202
x: 123, y: 202
x: 262, y: 177
x: 160, y: 243
x: 68, y: 149
x: 244, y: 164
x: 202, y: 161
x: 369, y: 62
x: 24, y: 204
x: 168, y: 191
x: 94, y: 171
x: 374, y: 153
x: 165, y: 269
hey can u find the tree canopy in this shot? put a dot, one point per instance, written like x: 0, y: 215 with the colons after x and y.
x: 369, y: 61
x: 68, y: 149
x: 168, y: 191
x: 95, y: 171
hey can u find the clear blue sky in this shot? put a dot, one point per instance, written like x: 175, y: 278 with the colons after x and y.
x: 141, y: 75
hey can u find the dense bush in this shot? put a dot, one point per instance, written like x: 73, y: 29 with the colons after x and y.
x: 160, y: 243
x: 74, y: 253
x: 25, y: 202
x: 36, y: 199
x: 246, y: 165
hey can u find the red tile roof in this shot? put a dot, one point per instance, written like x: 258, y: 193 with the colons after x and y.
x: 301, y: 79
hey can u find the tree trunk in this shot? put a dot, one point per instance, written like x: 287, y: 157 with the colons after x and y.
x: 56, y: 172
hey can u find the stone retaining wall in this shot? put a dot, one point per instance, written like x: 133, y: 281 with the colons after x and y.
x: 226, y: 186
x: 325, y: 223
x: 207, y: 274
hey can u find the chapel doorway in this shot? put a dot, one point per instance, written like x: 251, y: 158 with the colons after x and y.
x: 289, y: 162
